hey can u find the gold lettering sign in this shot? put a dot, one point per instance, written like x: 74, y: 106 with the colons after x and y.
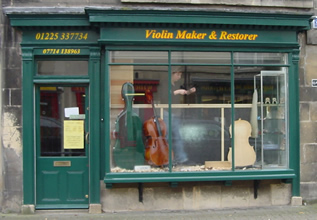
x: 196, y: 35
x: 63, y: 36
x: 237, y: 36
x: 60, y: 51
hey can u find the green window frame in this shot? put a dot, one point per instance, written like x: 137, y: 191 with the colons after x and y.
x: 287, y: 174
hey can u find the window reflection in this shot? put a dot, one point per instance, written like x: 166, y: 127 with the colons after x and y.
x: 53, y: 102
x: 194, y: 101
x: 201, y: 57
x: 138, y: 57
x: 266, y: 115
x: 50, y: 67
x: 259, y: 58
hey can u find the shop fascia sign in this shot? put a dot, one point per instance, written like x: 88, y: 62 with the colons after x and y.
x: 197, y: 35
x: 130, y: 34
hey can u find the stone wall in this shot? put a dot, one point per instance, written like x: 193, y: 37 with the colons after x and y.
x: 195, y: 196
x: 308, y: 114
x: 11, y: 108
x: 256, y: 6
x: 11, y: 135
x: 267, y: 3
x: 1, y: 73
x: 168, y: 3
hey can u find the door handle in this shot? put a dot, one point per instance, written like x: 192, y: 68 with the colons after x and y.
x: 87, y: 137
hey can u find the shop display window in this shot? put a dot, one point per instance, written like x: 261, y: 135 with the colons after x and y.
x: 197, y: 111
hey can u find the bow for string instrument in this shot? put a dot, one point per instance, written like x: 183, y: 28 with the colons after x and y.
x: 156, y: 145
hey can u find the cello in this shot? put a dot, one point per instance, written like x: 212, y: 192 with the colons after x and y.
x: 156, y: 145
x: 128, y: 150
x: 244, y: 154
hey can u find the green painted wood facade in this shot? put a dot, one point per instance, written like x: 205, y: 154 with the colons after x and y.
x: 90, y: 34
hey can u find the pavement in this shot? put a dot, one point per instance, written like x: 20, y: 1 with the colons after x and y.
x: 307, y: 212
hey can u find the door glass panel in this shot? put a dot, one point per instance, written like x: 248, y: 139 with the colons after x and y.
x: 62, y: 116
x: 68, y: 67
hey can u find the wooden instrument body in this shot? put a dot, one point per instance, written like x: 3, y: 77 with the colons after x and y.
x: 156, y: 145
x: 244, y: 154
x: 156, y: 151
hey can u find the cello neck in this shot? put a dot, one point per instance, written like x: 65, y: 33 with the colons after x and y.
x: 157, y: 123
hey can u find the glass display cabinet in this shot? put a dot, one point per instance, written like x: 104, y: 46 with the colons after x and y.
x: 271, y: 140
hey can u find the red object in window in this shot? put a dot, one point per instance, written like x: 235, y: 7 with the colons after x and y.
x: 80, y: 98
x: 140, y: 86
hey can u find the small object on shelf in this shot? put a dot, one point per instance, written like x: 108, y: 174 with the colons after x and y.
x: 142, y: 167
x: 274, y: 100
x: 267, y: 100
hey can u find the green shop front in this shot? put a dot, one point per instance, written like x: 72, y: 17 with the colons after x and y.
x: 135, y: 101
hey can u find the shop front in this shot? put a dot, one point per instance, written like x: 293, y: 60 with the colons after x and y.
x: 130, y: 98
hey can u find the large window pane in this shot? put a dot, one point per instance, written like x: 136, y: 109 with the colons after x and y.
x: 200, y: 126
x: 201, y: 57
x: 264, y: 146
x: 259, y: 58
x: 193, y: 100
x: 199, y: 129
x: 138, y: 57
x: 131, y: 145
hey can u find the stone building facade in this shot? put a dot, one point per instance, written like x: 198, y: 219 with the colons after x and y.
x: 186, y: 195
x: 307, y: 103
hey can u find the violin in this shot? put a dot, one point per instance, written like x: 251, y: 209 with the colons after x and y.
x: 128, y: 150
x: 156, y: 145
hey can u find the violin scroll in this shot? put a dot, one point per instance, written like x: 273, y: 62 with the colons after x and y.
x: 148, y: 96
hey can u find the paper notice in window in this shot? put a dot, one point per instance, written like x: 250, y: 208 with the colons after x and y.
x: 74, y: 134
x: 71, y: 111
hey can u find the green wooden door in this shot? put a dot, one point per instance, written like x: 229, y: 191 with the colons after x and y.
x: 62, y: 171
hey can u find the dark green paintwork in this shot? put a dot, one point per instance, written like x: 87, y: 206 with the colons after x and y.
x: 273, y: 26
x: 58, y: 187
x: 95, y: 120
x: 250, y: 20
x: 91, y: 179
x: 28, y: 125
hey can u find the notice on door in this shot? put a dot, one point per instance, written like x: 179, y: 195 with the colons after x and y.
x: 74, y: 134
